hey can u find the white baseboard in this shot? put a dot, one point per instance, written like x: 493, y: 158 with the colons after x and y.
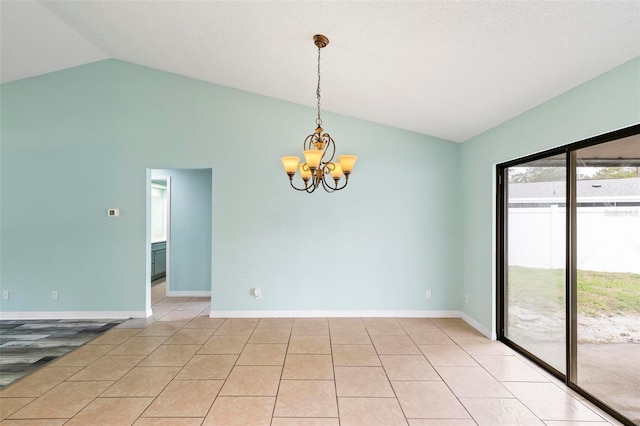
x: 333, y: 314
x: 475, y: 324
x: 56, y: 315
x: 189, y: 294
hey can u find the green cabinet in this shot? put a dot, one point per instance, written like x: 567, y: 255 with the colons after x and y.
x: 158, y: 260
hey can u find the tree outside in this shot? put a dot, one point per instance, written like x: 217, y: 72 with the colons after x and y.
x: 558, y: 174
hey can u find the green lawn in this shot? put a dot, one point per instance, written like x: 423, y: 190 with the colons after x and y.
x: 599, y: 293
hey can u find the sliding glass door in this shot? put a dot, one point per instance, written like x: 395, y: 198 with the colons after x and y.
x: 608, y: 274
x: 536, y: 269
x: 569, y: 266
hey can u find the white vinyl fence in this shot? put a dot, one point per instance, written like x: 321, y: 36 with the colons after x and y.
x: 608, y: 238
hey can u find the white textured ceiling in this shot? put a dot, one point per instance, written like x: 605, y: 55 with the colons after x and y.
x: 451, y: 69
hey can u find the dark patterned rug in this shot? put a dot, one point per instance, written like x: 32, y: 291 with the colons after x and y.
x: 26, y: 346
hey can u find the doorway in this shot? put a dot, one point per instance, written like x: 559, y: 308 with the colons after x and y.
x: 182, y: 199
x: 568, y: 271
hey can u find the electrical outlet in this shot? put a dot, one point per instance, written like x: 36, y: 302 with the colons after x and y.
x: 427, y: 294
x: 5, y: 294
x: 54, y: 295
x: 466, y: 298
x: 256, y: 293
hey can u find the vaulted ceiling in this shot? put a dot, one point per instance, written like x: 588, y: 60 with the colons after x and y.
x: 450, y: 69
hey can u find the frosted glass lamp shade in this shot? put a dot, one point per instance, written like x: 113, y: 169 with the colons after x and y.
x: 313, y: 157
x: 347, y: 162
x: 305, y: 172
x: 290, y: 164
x: 336, y: 173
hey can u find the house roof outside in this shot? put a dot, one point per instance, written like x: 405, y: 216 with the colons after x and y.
x: 595, y: 189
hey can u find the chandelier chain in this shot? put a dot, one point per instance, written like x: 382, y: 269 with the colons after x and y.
x: 318, y: 120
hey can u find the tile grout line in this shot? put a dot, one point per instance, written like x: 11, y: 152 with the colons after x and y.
x: 140, y: 416
x: 387, y: 375
x: 535, y: 367
x: 173, y: 378
x: 286, y: 353
x: 442, y: 378
x: 230, y: 370
x: 333, y: 369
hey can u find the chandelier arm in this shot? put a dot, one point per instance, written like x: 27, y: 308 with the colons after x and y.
x: 346, y: 181
x: 333, y: 147
x: 294, y: 187
x: 322, y: 180
x: 308, y: 142
x: 326, y: 186
x: 324, y: 152
x: 335, y: 186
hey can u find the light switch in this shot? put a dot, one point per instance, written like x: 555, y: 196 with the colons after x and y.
x: 113, y: 212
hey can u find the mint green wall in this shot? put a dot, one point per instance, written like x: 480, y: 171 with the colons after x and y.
x: 607, y: 103
x: 191, y: 223
x: 79, y: 141
x: 76, y: 142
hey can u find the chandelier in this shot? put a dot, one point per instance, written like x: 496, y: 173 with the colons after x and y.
x: 319, y: 150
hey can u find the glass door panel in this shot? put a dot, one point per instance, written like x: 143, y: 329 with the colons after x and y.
x: 608, y: 273
x: 535, y: 311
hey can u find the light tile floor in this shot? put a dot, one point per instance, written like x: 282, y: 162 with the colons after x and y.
x: 181, y: 367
